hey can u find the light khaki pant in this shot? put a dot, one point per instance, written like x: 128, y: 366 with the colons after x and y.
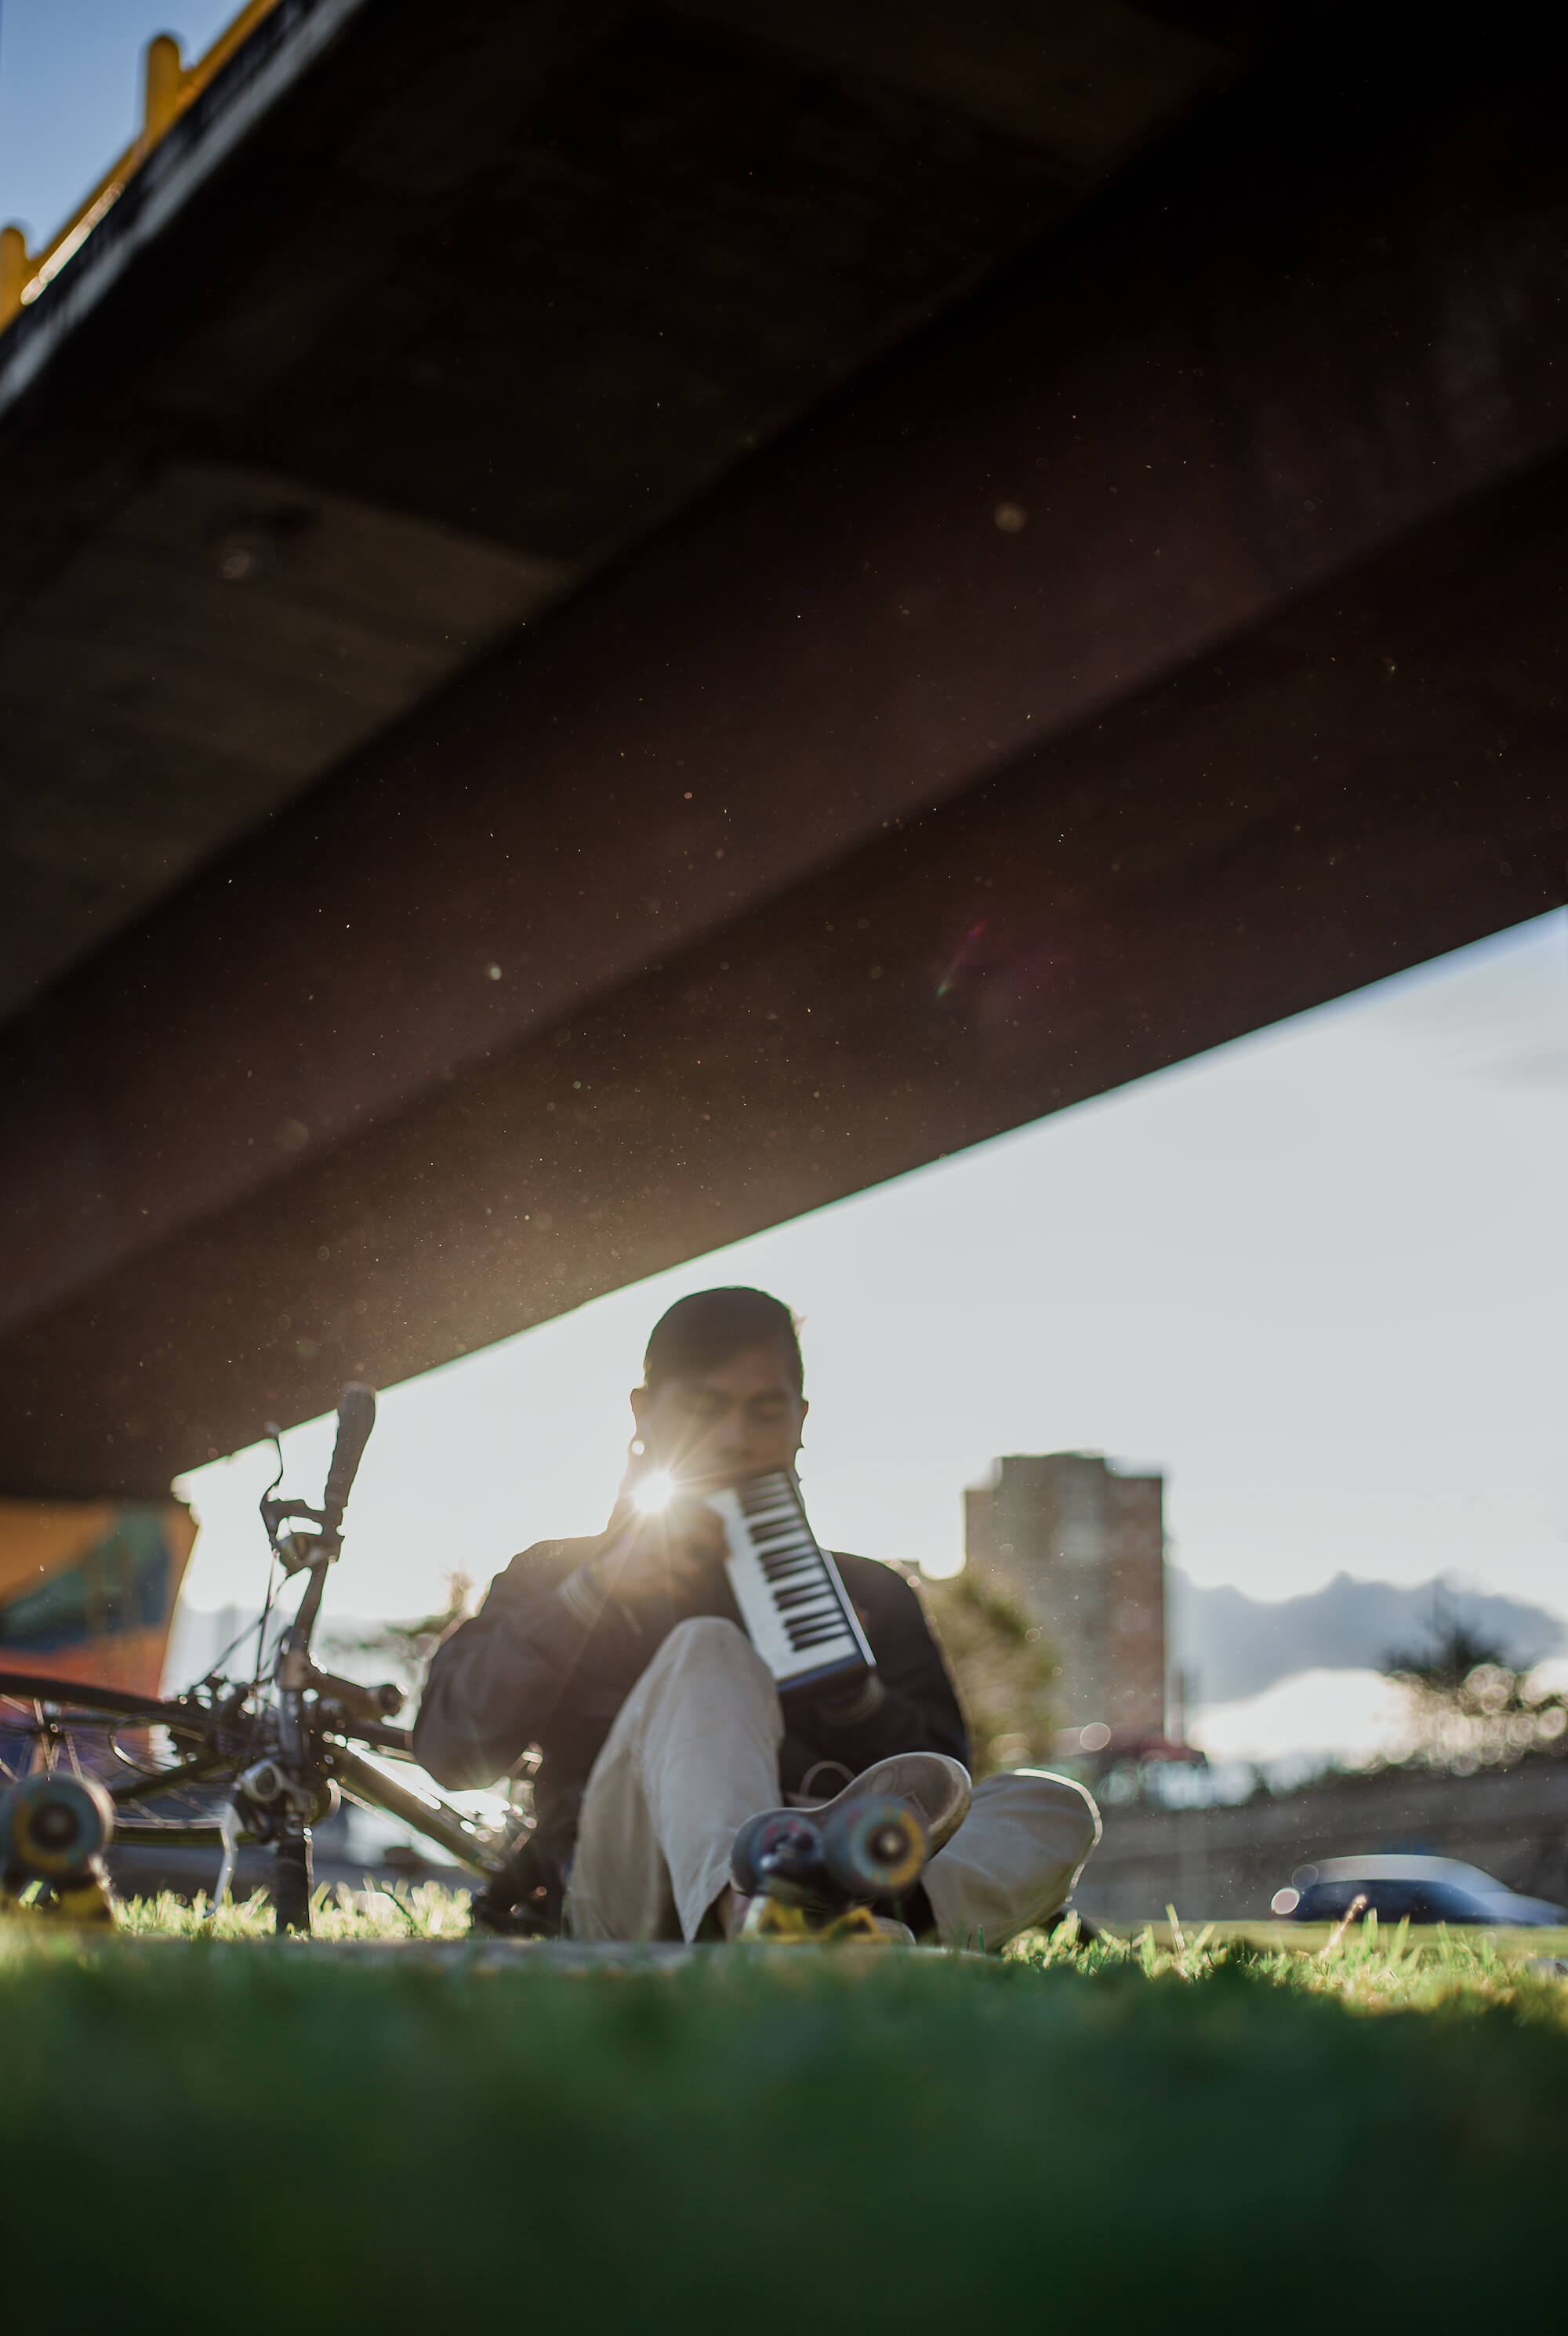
x: 693, y: 1752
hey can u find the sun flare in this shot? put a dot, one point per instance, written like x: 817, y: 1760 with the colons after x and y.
x: 654, y: 1492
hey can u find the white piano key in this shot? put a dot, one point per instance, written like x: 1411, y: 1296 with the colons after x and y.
x: 786, y: 1586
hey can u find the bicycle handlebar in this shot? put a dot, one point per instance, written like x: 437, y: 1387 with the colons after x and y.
x: 355, y: 1418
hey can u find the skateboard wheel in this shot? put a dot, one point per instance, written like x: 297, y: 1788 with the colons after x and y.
x: 780, y: 1848
x: 874, y: 1848
x: 54, y: 1825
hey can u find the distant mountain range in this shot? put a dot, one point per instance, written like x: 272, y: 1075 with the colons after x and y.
x: 1234, y: 1646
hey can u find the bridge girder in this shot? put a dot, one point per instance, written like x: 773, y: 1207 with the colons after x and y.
x: 1164, y: 640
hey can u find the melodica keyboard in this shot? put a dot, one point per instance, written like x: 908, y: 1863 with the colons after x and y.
x: 791, y: 1599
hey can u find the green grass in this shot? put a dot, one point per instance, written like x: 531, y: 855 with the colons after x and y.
x: 417, y: 1911
x: 1129, y: 2136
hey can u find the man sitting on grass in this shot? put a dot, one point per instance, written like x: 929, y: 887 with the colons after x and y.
x: 623, y: 1660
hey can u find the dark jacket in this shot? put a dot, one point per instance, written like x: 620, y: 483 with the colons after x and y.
x: 548, y: 1661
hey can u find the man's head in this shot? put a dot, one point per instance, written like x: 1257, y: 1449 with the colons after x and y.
x: 721, y: 1394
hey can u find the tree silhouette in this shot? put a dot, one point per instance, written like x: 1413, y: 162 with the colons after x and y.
x: 1443, y: 1667
x: 1468, y: 1704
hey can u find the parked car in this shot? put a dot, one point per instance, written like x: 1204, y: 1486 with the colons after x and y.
x: 1425, y: 1889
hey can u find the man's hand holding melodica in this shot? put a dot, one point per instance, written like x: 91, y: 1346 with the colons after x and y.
x: 675, y: 1553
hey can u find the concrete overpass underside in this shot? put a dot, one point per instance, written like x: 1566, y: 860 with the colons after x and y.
x: 620, y: 622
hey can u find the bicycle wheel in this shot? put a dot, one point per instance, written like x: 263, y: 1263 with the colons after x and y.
x: 166, y: 1766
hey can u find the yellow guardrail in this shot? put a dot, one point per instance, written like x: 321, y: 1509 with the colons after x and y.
x: 169, y: 86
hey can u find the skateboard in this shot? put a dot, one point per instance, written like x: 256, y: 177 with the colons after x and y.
x: 814, y: 1882
x: 53, y: 1831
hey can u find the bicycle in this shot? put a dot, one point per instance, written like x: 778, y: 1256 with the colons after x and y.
x: 230, y: 1763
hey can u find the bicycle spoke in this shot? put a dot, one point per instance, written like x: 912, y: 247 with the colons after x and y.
x: 165, y: 1780
x: 166, y: 1775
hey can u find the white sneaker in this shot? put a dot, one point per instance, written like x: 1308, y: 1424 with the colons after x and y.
x: 939, y: 1788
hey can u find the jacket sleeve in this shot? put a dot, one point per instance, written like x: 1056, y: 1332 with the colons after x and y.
x: 910, y: 1703
x: 493, y: 1687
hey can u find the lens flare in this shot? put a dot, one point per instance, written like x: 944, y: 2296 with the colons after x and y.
x: 654, y: 1492
x: 966, y: 950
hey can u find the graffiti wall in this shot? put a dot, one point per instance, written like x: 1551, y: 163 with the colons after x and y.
x: 87, y: 1587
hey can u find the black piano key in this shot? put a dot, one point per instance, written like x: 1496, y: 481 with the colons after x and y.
x: 809, y: 1611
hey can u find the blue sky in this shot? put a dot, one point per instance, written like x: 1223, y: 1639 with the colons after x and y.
x: 71, y: 94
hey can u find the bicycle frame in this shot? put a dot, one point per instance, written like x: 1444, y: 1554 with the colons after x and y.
x: 288, y: 1756
x: 279, y: 1796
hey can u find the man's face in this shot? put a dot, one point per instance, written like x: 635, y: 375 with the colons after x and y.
x: 741, y: 1418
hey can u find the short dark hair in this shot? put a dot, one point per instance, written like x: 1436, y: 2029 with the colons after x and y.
x: 711, y: 1325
